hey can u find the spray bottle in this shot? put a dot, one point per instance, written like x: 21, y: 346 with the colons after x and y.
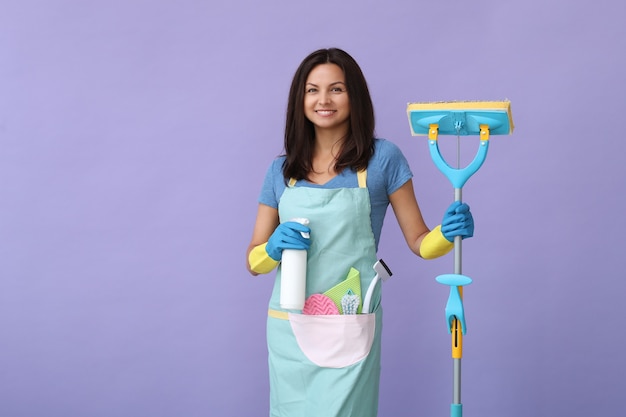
x: 293, y: 275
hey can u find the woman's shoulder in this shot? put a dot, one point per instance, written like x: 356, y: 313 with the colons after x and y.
x: 390, y: 163
x: 385, y: 149
x: 276, y: 166
x: 279, y: 160
x: 274, y: 173
x: 384, y: 144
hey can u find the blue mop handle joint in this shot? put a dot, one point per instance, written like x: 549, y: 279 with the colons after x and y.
x: 458, y: 176
x: 454, y: 306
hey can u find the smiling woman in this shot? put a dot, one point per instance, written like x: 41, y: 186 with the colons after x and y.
x: 340, y: 178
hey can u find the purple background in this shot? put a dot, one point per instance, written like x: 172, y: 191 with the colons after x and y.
x: 134, y: 136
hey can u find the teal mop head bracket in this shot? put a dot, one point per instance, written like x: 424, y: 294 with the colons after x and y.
x: 460, y: 118
x: 458, y: 176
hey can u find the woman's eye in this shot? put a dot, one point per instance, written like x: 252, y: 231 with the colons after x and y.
x: 337, y: 90
x: 311, y: 90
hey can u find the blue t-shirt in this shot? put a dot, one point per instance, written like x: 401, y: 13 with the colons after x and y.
x: 387, y: 171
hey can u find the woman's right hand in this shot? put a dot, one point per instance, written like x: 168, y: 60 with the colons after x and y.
x: 288, y: 235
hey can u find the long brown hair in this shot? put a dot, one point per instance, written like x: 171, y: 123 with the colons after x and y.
x: 358, y: 146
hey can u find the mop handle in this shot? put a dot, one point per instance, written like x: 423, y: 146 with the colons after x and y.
x: 455, y: 313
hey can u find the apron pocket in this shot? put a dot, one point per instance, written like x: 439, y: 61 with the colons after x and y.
x: 334, y: 341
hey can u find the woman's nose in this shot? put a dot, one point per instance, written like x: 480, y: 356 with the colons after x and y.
x: 324, y: 98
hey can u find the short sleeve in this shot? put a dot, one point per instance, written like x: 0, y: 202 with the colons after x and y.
x: 394, y: 165
x: 273, y: 184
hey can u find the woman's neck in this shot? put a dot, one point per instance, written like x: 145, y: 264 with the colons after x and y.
x: 327, y: 150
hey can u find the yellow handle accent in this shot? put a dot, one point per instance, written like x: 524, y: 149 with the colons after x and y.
x: 457, y: 335
x: 457, y: 340
x: 433, y: 131
x: 484, y: 132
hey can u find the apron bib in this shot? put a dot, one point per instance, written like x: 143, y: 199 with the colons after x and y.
x: 327, y: 365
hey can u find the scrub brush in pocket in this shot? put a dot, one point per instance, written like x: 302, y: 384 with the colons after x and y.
x: 350, y: 302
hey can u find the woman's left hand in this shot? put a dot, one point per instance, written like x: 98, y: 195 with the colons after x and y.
x: 457, y: 221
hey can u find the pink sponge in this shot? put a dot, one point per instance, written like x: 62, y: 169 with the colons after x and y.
x: 320, y: 304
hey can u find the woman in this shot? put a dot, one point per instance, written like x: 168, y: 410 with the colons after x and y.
x: 339, y: 176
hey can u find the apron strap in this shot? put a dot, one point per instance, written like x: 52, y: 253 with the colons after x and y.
x: 362, y: 178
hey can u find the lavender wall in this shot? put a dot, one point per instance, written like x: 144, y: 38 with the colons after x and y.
x: 134, y: 136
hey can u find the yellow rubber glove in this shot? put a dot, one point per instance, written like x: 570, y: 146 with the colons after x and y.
x: 260, y: 261
x: 435, y: 244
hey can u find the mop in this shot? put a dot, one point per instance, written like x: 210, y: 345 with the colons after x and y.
x: 458, y: 118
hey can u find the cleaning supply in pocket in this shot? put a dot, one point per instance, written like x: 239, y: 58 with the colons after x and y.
x: 350, y: 303
x: 351, y: 283
x: 293, y: 274
x: 382, y: 273
x: 318, y: 305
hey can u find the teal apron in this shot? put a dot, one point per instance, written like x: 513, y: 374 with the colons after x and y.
x: 327, y: 365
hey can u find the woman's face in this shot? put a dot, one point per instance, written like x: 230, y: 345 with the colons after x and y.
x: 326, y: 101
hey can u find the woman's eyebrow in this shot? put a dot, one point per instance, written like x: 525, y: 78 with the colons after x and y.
x: 335, y: 83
